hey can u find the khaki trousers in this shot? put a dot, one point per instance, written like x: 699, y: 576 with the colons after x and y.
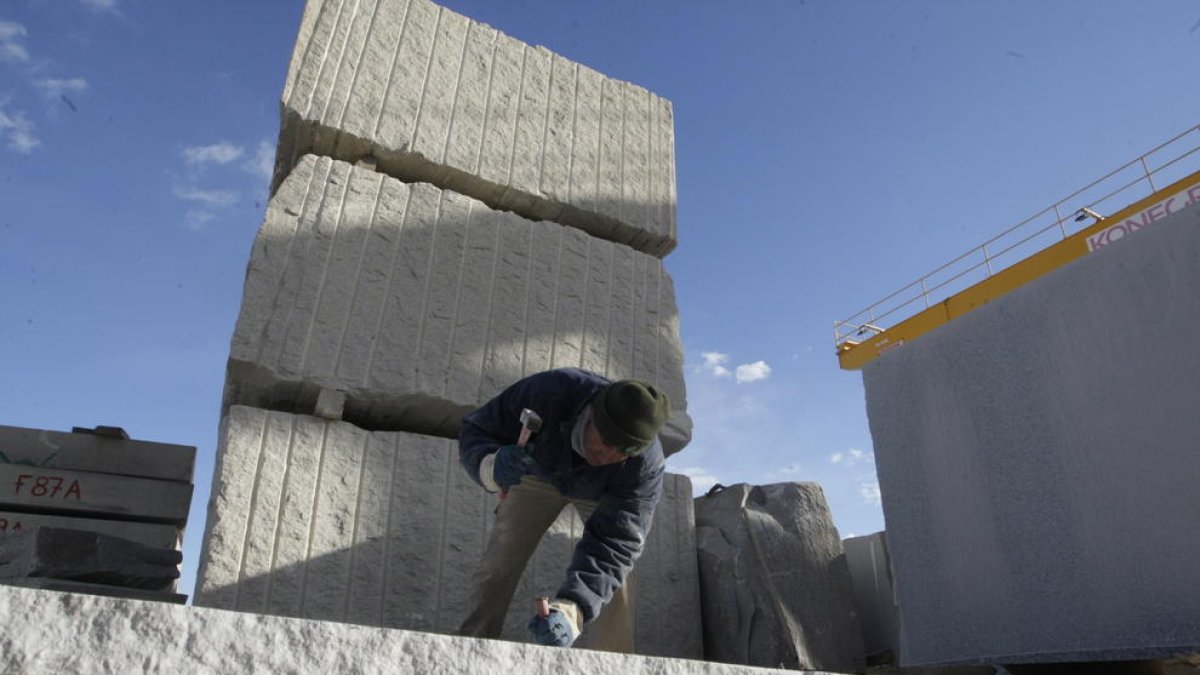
x: 521, y: 520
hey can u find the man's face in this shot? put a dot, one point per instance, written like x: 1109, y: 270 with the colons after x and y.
x: 595, y: 450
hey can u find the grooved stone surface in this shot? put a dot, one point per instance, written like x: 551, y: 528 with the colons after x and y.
x: 323, y: 520
x: 1037, y: 459
x: 421, y: 304
x: 433, y: 96
x: 775, y: 586
x: 48, y: 632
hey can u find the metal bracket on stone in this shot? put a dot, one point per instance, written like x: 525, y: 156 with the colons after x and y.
x: 330, y: 404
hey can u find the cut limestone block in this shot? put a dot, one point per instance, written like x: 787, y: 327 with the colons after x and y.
x: 89, y: 557
x: 150, y: 534
x: 44, y: 490
x: 1037, y: 461
x: 323, y: 520
x: 420, y: 304
x: 432, y: 96
x: 874, y: 593
x: 97, y: 454
x: 67, y: 633
x: 95, y: 589
x: 775, y: 586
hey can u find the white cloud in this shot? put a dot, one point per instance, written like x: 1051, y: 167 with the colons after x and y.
x: 215, y: 198
x: 11, y: 49
x: 197, y: 219
x: 218, y: 153
x: 100, y: 5
x: 870, y: 493
x: 790, y: 472
x: 19, y: 131
x: 851, y: 457
x: 262, y: 164
x: 702, y: 480
x: 54, y: 88
x: 753, y: 372
x: 714, y: 364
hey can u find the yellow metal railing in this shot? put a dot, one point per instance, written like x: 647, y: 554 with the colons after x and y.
x: 1043, y: 242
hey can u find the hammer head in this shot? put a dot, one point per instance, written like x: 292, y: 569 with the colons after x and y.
x: 531, y: 420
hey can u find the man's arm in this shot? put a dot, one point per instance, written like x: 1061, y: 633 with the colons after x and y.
x: 613, y: 539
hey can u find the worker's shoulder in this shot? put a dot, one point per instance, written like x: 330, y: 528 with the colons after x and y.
x: 568, y: 378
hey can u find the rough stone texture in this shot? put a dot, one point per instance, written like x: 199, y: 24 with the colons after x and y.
x: 1037, y: 459
x: 76, y: 555
x: 80, y: 493
x: 48, y: 632
x: 432, y: 96
x: 323, y: 520
x: 420, y: 304
x: 774, y: 583
x: 874, y: 593
x: 150, y: 534
x: 96, y: 454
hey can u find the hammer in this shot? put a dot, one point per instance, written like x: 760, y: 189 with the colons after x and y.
x: 531, y: 423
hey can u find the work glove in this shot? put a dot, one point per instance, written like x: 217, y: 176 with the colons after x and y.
x: 558, y: 629
x: 503, y: 469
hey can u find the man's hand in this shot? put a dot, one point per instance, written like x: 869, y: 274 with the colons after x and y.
x: 558, y: 629
x: 504, y: 468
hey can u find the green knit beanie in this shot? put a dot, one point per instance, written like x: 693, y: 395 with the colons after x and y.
x: 629, y: 413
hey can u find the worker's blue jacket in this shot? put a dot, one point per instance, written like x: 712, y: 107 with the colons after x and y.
x: 627, y: 491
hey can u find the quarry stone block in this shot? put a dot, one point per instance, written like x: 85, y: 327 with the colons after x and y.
x: 69, y: 633
x: 89, y: 557
x: 96, y: 454
x: 1037, y: 457
x: 874, y: 593
x: 150, y: 534
x: 774, y: 582
x: 323, y: 520
x: 420, y: 304
x: 24, y: 488
x: 432, y: 96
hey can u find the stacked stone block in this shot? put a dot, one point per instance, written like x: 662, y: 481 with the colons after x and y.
x: 385, y: 529
x: 452, y: 210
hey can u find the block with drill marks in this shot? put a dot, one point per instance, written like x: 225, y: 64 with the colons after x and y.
x: 320, y: 519
x: 419, y: 304
x: 432, y: 96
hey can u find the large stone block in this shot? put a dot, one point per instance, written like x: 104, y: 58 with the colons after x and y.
x: 775, y: 586
x: 48, y: 632
x: 89, y: 557
x: 150, y: 534
x: 96, y: 454
x: 432, y: 96
x: 420, y: 304
x: 323, y: 520
x: 874, y: 594
x: 74, y: 493
x: 1037, y: 459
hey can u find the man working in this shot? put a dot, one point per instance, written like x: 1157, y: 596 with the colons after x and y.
x: 598, y: 449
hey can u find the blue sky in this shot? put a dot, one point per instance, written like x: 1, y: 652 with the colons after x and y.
x: 827, y: 153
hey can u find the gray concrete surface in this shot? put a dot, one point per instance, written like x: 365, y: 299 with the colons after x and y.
x: 874, y: 593
x: 420, y: 304
x: 48, y: 632
x: 1037, y: 459
x: 775, y: 588
x: 432, y: 96
x: 74, y: 493
x: 322, y: 520
x: 97, y: 454
x: 150, y: 534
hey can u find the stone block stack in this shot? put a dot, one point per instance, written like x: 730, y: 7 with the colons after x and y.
x: 93, y: 511
x: 452, y: 210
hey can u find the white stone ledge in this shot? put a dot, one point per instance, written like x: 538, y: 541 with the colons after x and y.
x: 51, y: 632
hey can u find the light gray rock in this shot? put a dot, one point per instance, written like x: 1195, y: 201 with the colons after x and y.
x: 874, y: 593
x: 323, y: 520
x: 432, y: 96
x: 96, y: 454
x: 74, y: 493
x: 1037, y: 460
x: 775, y: 586
x: 90, y: 557
x: 421, y: 304
x: 48, y: 632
